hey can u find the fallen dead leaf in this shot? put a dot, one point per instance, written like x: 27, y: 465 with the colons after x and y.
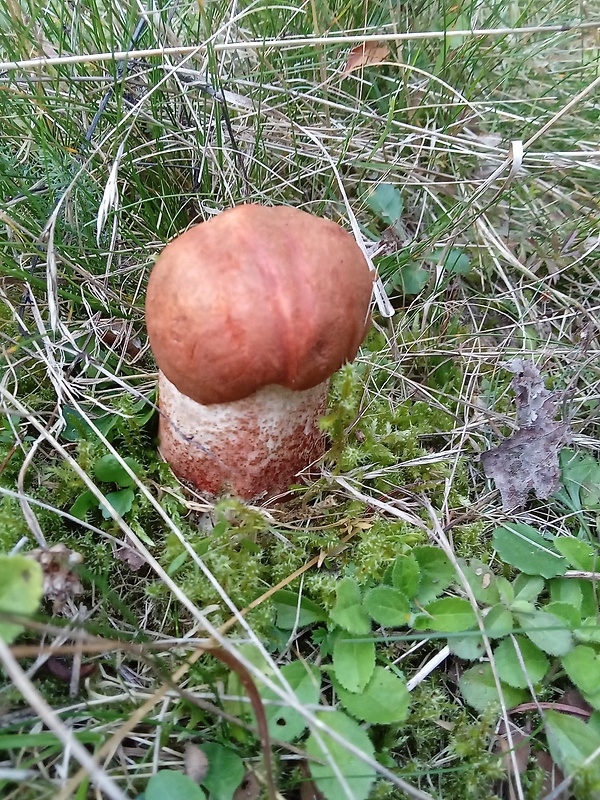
x: 552, y: 774
x: 131, y: 557
x: 60, y: 582
x: 249, y: 788
x: 528, y: 460
x: 365, y: 55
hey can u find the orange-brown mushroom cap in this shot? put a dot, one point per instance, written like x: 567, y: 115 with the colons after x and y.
x: 257, y: 296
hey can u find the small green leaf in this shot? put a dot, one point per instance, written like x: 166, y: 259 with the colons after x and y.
x: 566, y: 612
x: 353, y: 662
x: 109, y: 470
x: 565, y: 590
x: 357, y: 774
x: 469, y: 646
x: 498, y: 622
x: 580, y: 474
x: 548, y: 632
x: 527, y: 587
x: 386, y: 201
x: 405, y: 575
x: 84, y: 503
x: 456, y: 262
x: 21, y: 589
x: 173, y: 785
x: 509, y: 665
x: 580, y: 555
x: 450, y: 615
x: 285, y: 722
x: 582, y: 665
x: 387, y: 606
x: 436, y: 572
x: 478, y: 687
x: 410, y: 278
x: 225, y: 771
x: 589, y: 631
x: 121, y: 501
x: 77, y: 428
x: 481, y: 579
x: 571, y: 743
x: 383, y: 701
x: 348, y: 611
x: 291, y: 613
x: 523, y: 547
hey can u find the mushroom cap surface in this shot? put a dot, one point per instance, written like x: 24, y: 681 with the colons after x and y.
x: 256, y: 296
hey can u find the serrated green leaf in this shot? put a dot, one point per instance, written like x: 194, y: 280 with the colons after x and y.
x: 523, y: 547
x: 550, y: 633
x: 225, y: 771
x: 357, y: 774
x: 109, y: 470
x: 582, y: 665
x: 21, y: 590
x: 405, y: 575
x: 450, y: 615
x: 386, y: 201
x: 285, y: 722
x: 571, y: 742
x: 469, y: 646
x: 478, y: 687
x: 436, y: 572
x: 348, y: 611
x: 528, y: 587
x: 481, y: 579
x: 565, y: 590
x: 353, y: 662
x: 121, y: 501
x: 580, y: 555
x: 174, y: 785
x: 508, y: 662
x: 384, y: 700
x: 387, y: 606
x: 566, y: 612
x: 589, y: 630
x: 506, y: 591
x: 291, y: 613
x: 498, y: 621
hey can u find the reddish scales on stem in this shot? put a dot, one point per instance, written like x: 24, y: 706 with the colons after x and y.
x: 248, y: 315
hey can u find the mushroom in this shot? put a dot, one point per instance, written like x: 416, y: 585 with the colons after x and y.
x: 248, y: 315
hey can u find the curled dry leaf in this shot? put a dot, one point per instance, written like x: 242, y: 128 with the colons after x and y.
x: 365, y: 55
x: 528, y: 460
x: 249, y: 788
x: 118, y: 333
x: 131, y: 557
x: 60, y: 582
x: 63, y: 669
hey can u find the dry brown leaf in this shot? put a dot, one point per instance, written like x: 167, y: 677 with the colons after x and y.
x: 365, y: 55
x: 528, y: 460
x: 249, y: 788
x: 131, y: 557
x: 552, y: 774
x: 60, y: 582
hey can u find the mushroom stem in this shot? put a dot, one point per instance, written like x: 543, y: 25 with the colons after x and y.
x: 251, y: 447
